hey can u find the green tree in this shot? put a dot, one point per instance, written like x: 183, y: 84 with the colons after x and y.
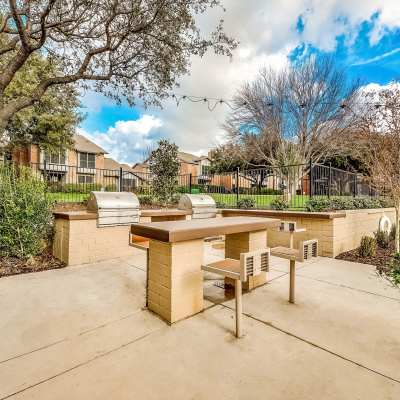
x: 49, y: 122
x: 126, y: 49
x: 164, y: 165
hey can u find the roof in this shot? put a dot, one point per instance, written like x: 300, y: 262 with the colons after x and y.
x: 190, y: 158
x: 182, y: 157
x: 111, y: 164
x: 187, y: 157
x: 84, y: 145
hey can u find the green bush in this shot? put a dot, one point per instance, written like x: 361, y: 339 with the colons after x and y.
x: 220, y: 204
x: 392, y: 234
x: 386, y: 202
x: 146, y: 199
x: 25, y: 213
x: 394, y: 269
x: 318, y: 204
x: 367, y: 247
x: 246, y: 202
x: 382, y: 239
x: 175, y: 198
x: 279, y: 204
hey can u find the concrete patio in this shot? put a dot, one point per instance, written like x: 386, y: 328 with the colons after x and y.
x: 82, y: 333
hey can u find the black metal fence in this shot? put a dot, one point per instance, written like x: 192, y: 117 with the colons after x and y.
x: 257, y: 188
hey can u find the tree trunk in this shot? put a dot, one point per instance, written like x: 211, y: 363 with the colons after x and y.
x: 397, y: 236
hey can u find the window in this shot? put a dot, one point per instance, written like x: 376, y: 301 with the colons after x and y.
x: 87, y: 160
x: 55, y: 158
x: 205, y: 169
x: 85, y: 178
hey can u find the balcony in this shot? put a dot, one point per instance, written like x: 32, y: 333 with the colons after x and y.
x: 62, y: 168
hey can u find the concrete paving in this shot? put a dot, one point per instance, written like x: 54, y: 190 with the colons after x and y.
x: 83, y: 333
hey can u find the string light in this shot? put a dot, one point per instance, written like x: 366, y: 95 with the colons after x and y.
x: 213, y: 102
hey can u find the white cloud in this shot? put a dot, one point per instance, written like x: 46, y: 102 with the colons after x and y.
x: 127, y: 141
x: 267, y: 34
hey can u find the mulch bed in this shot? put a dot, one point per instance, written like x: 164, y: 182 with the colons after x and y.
x: 380, y: 260
x: 381, y: 257
x: 14, y: 266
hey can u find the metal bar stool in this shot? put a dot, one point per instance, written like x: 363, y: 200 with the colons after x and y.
x: 250, y: 264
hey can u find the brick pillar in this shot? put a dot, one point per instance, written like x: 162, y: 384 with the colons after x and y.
x: 242, y: 243
x: 175, y: 288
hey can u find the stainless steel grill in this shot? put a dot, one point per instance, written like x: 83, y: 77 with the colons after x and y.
x: 114, y: 208
x: 201, y: 205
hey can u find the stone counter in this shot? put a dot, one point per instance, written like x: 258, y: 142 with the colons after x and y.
x: 336, y: 231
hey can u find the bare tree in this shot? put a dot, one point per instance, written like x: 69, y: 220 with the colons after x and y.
x: 294, y: 115
x: 378, y: 143
x: 124, y: 48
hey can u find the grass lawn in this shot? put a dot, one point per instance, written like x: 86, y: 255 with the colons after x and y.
x: 61, y: 197
x: 224, y: 199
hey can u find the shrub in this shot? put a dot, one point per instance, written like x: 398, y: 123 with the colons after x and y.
x: 382, y: 239
x: 317, y: 204
x: 175, y: 198
x: 279, y: 203
x: 146, y: 199
x: 367, y: 247
x: 220, y: 204
x: 394, y: 269
x: 392, y: 234
x: 246, y: 202
x: 25, y: 213
x: 386, y: 202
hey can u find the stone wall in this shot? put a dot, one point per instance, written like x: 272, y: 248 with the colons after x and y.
x: 81, y: 241
x: 336, y: 231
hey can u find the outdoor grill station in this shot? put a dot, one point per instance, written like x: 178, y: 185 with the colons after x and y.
x: 114, y: 208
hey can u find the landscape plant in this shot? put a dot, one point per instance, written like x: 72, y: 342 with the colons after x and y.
x: 164, y: 167
x: 367, y: 247
x: 378, y: 144
x: 394, y: 269
x: 25, y: 213
x: 382, y: 239
x: 246, y: 202
x: 279, y: 203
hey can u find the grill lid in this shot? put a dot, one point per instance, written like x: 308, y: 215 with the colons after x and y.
x: 196, y: 201
x: 112, y: 200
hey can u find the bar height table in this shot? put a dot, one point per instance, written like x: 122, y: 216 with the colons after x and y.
x: 175, y: 281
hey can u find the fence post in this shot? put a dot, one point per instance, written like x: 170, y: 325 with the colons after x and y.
x: 45, y: 169
x: 190, y: 183
x: 237, y: 186
x: 120, y: 179
x: 355, y: 186
x: 330, y: 180
x: 311, y: 179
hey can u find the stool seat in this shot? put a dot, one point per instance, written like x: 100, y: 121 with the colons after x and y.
x: 227, y: 267
x: 284, y: 252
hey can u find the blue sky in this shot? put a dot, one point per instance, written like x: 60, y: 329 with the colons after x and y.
x: 363, y: 36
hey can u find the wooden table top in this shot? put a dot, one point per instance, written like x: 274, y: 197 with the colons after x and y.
x: 180, y: 231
